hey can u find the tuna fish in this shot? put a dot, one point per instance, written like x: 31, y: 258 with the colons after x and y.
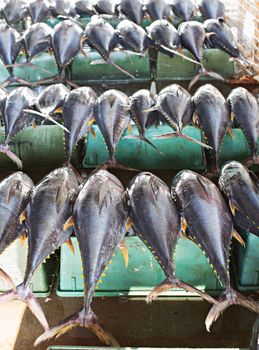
x: 193, y: 36
x: 184, y: 9
x: 39, y: 10
x: 106, y: 7
x: 16, y: 119
x: 241, y: 187
x: 99, y: 219
x: 112, y: 117
x: 132, y: 37
x: 140, y: 104
x: 78, y: 110
x: 49, y: 103
x: 158, y: 226
x: 211, y: 114
x: 165, y: 38
x: 245, y: 114
x: 212, y: 9
x: 14, y: 197
x: 100, y: 35
x: 220, y: 36
x: 84, y: 8
x: 49, y: 207
x: 133, y: 10
x: 63, y: 8
x: 158, y: 9
x: 14, y: 11
x: 206, y: 214
x: 174, y: 104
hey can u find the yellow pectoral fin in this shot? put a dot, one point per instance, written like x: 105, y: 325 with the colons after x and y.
x: 184, y: 225
x: 58, y: 110
x: 33, y: 124
x: 69, y: 223
x: 70, y: 245
x: 232, y: 116
x: 237, y: 236
x: 23, y: 237
x: 195, y: 119
x: 233, y: 207
x: 130, y: 128
x: 22, y: 217
x: 92, y: 132
x: 124, y: 252
x: 91, y: 122
x: 230, y: 131
x: 129, y: 224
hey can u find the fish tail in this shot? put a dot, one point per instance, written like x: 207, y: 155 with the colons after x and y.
x: 4, y: 148
x: 83, y: 319
x: 186, y: 137
x: 113, y: 163
x: 23, y: 293
x: 202, y: 72
x: 172, y: 282
x: 141, y: 138
x: 120, y: 68
x: 228, y: 298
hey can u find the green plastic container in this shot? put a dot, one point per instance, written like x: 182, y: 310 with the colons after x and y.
x: 247, y: 261
x: 176, y: 153
x: 13, y: 261
x: 104, y: 76
x: 142, y: 273
x: 177, y: 70
x: 40, y: 147
x: 32, y: 74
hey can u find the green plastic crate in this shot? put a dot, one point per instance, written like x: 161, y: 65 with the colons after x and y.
x: 32, y: 74
x: 13, y: 261
x: 97, y: 75
x: 247, y: 261
x: 176, y: 152
x: 177, y: 70
x: 142, y: 273
x: 40, y: 147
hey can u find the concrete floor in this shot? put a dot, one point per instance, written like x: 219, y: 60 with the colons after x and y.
x: 163, y: 324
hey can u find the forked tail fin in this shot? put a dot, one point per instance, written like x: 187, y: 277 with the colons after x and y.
x: 202, y: 72
x: 228, y: 298
x: 24, y: 294
x: 83, y: 319
x: 142, y: 138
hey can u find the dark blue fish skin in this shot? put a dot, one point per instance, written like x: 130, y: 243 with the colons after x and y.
x: 158, y: 9
x: 9, y: 45
x: 3, y: 97
x: 51, y: 98
x: 39, y: 10
x: 112, y: 117
x: 160, y: 224
x: 15, y: 119
x: 14, y: 11
x: 100, y: 218
x: 175, y: 105
x: 208, y: 218
x: 162, y: 32
x: 132, y: 37
x: 245, y: 111
x: 241, y: 187
x: 106, y: 7
x: 37, y: 38
x: 212, y: 9
x: 78, y: 110
x: 184, y: 9
x: 14, y: 196
x: 101, y: 36
x: 192, y: 35
x: 133, y: 10
x: 212, y: 113
x: 156, y: 221
x: 53, y: 199
x: 62, y: 8
x: 84, y: 8
x: 220, y: 36
x: 66, y: 40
